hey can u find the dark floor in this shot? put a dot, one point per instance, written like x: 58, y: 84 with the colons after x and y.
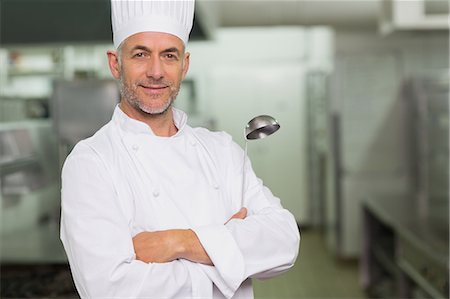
x: 36, y: 281
x: 316, y: 274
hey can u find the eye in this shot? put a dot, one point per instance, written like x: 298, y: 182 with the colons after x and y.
x: 140, y: 55
x: 171, y: 56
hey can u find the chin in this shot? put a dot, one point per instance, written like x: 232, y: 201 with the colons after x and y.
x: 155, y: 110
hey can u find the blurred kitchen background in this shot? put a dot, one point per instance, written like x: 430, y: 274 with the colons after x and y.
x: 360, y: 88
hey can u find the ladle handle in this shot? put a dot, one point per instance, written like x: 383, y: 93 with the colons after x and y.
x: 243, y: 175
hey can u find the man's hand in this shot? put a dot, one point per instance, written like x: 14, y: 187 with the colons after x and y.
x: 239, y: 215
x: 157, y: 247
x: 169, y: 245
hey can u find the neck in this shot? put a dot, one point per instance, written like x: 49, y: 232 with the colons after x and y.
x: 161, y: 125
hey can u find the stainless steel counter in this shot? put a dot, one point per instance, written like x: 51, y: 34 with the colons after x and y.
x: 406, y: 246
x: 429, y: 232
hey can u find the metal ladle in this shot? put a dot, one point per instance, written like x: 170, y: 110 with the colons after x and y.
x: 257, y: 128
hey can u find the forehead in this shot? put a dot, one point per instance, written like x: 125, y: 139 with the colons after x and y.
x: 154, y: 40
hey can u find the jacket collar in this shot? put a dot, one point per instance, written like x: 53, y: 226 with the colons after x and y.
x: 135, y: 126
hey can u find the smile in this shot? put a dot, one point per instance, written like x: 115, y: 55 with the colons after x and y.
x: 154, y: 89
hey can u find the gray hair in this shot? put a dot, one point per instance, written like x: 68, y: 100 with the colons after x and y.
x: 119, y: 54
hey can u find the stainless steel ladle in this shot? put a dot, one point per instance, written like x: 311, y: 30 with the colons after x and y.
x: 261, y: 127
x: 257, y: 128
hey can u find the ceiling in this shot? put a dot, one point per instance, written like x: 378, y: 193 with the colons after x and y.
x: 62, y: 21
x: 338, y: 13
x: 359, y: 14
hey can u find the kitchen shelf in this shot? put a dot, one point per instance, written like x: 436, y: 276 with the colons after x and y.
x: 419, y: 280
x: 386, y: 260
x: 416, y: 254
x: 14, y: 73
x: 9, y: 166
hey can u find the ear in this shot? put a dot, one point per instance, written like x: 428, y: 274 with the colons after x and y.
x: 186, y: 60
x: 113, y: 62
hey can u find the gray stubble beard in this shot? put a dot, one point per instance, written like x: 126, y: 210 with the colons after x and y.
x: 129, y: 94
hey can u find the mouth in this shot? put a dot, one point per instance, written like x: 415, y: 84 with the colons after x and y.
x: 154, y: 89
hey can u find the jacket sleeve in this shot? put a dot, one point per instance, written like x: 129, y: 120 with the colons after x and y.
x: 262, y: 245
x: 98, y: 240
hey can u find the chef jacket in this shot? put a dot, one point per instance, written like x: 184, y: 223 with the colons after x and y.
x: 125, y: 180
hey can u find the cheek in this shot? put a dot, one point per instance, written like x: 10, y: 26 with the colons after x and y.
x: 128, y: 79
x: 132, y: 71
x: 175, y: 74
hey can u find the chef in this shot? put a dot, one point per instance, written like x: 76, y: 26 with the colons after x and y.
x: 151, y: 207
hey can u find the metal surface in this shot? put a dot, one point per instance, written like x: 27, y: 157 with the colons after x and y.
x: 427, y: 96
x: 27, y: 22
x: 261, y: 127
x: 415, y: 248
x: 81, y: 107
x: 29, y: 194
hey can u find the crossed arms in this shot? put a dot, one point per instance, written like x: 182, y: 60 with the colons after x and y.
x: 169, y: 245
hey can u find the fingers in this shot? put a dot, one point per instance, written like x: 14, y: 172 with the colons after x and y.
x: 241, y: 214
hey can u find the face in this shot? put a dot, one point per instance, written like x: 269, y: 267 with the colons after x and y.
x: 150, y: 67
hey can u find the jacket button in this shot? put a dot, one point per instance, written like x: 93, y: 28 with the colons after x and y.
x: 193, y: 143
x: 216, y: 186
x: 155, y: 193
x: 135, y: 147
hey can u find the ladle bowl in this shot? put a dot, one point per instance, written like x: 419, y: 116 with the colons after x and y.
x: 260, y: 127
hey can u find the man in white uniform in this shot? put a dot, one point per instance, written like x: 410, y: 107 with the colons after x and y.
x: 150, y: 206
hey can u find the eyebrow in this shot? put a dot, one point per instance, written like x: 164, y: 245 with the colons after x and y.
x: 139, y: 47
x: 172, y: 50
x: 144, y: 48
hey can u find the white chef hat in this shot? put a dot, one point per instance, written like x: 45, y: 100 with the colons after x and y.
x: 169, y: 16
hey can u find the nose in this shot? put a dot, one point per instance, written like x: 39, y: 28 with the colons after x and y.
x: 155, y: 68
